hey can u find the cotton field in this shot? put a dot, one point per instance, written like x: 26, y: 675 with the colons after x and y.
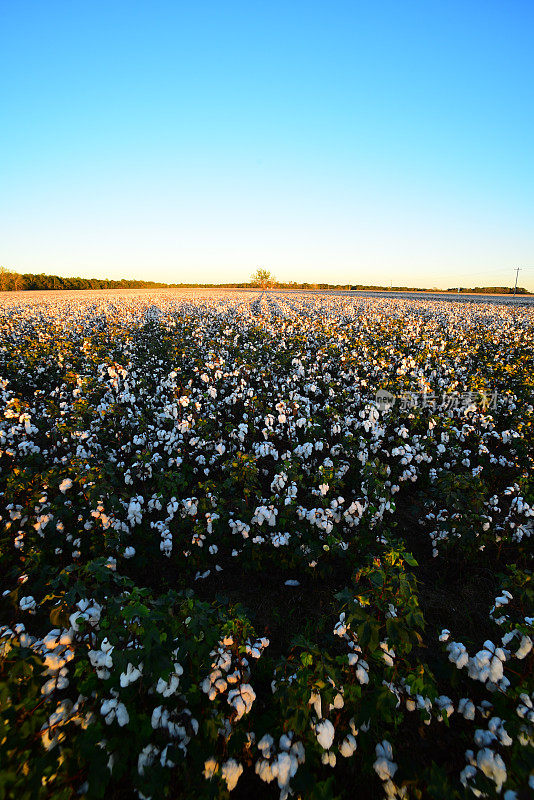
x: 266, y: 545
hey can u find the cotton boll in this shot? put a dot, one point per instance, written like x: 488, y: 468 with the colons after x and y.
x: 458, y: 654
x: 388, y: 654
x: 285, y: 767
x: 524, y: 648
x: 122, y: 715
x: 285, y: 741
x: 27, y: 604
x: 445, y: 704
x: 348, y: 746
x: 146, y: 758
x: 265, y: 744
x: 210, y: 768
x: 315, y: 700
x: 231, y: 772
x: 324, y: 731
x: 466, y: 708
x: 492, y: 765
x: 338, y: 701
x: 241, y: 699
x: 265, y: 771
x: 384, y: 765
x: 362, y: 672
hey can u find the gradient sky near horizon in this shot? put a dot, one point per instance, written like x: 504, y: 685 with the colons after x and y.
x: 348, y: 142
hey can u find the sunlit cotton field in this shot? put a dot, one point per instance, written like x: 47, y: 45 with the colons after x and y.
x: 266, y: 545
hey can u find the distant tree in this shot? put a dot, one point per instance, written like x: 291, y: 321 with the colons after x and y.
x: 5, y: 279
x: 262, y: 278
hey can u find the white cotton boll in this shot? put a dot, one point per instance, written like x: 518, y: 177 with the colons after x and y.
x: 348, y: 746
x: 315, y: 701
x: 156, y: 717
x: 285, y: 768
x: 265, y: 744
x: 362, y: 672
x: 27, y: 603
x: 467, y: 774
x: 445, y: 704
x: 507, y: 637
x: 524, y: 648
x: 338, y: 701
x: 292, y: 582
x: 167, y: 688
x: 492, y: 766
x: 285, y: 742
x: 485, y: 708
x: 324, y: 731
x: 49, y: 686
x: 122, y: 715
x: 384, y: 765
x: 496, y: 670
x: 340, y: 628
x: 50, y: 641
x: 146, y: 758
x: 26, y: 640
x: 487, y: 664
x: 484, y: 738
x: 108, y: 710
x: 210, y: 768
x: 466, y: 708
x: 130, y: 676
x: 129, y: 552
x: 444, y: 635
x: 265, y: 771
x: 242, y: 699
x: 65, y: 485
x: 297, y: 748
x: 231, y: 771
x: 388, y: 655
x: 496, y: 726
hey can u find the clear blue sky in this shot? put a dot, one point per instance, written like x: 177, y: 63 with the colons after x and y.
x: 341, y: 142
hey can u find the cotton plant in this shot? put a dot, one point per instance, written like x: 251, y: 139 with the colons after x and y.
x: 175, y: 441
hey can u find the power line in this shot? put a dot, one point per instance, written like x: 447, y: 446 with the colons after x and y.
x: 517, y: 271
x: 495, y: 270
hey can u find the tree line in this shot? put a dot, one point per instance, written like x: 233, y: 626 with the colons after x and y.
x: 11, y: 281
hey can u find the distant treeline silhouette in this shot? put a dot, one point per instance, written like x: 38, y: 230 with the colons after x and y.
x: 11, y: 281
x: 490, y: 290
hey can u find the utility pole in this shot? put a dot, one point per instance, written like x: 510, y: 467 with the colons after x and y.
x: 517, y: 271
